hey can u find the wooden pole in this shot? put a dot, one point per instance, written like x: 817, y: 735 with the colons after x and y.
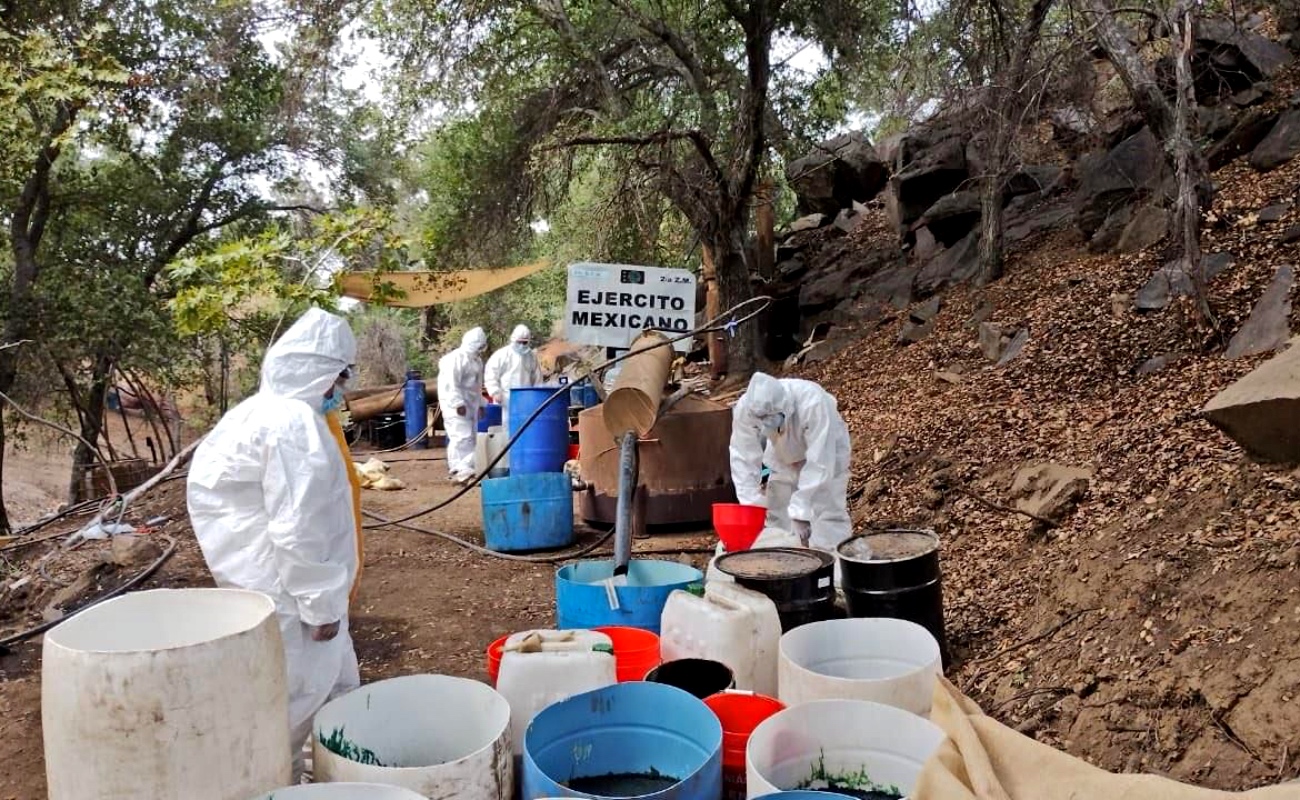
x: 765, y: 221
x: 712, y: 308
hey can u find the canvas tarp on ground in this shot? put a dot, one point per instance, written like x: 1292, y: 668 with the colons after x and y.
x: 985, y: 760
x: 423, y: 289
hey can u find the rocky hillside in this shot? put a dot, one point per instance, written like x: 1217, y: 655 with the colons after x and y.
x: 1121, y: 580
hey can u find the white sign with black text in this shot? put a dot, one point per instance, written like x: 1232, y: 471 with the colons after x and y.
x: 608, y: 305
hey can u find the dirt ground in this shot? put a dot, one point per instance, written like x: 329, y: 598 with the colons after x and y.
x: 426, y: 605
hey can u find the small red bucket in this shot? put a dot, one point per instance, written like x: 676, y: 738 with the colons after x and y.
x: 740, y: 713
x: 494, y: 653
x: 636, y: 651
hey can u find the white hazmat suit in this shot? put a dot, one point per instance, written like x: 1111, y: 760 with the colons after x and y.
x: 807, y: 452
x: 513, y: 366
x: 271, y: 505
x: 460, y: 387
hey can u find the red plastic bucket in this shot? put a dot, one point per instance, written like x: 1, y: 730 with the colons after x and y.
x: 636, y: 651
x: 738, y: 525
x: 740, y: 713
x: 494, y: 652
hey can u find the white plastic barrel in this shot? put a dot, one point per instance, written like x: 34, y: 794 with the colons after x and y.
x: 434, y: 734
x: 839, y: 744
x: 890, y: 661
x: 543, y: 667
x: 341, y: 791
x: 730, y: 624
x: 168, y: 693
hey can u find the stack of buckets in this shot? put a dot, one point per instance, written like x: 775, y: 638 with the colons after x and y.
x: 532, y: 507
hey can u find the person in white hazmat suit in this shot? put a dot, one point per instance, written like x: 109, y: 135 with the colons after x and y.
x: 460, y: 396
x: 513, y: 366
x: 272, y: 509
x: 807, y: 451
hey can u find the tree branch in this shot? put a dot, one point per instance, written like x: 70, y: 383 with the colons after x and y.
x: 684, y: 54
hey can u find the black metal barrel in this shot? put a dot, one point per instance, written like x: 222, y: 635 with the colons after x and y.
x: 801, y: 582
x: 895, y: 573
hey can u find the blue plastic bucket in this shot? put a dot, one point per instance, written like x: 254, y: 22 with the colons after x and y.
x: 630, y: 739
x: 528, y: 512
x: 544, y: 445
x: 584, y: 394
x: 582, y: 601
x: 491, y: 416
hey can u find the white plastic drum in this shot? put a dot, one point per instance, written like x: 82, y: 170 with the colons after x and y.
x: 839, y: 745
x: 434, y: 734
x: 890, y: 661
x: 166, y: 694
x: 341, y: 791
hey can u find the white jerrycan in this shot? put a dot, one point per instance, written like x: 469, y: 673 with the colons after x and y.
x: 539, y: 668
x: 770, y: 537
x: 728, y: 623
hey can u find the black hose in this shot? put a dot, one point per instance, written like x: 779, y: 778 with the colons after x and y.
x: 468, y: 545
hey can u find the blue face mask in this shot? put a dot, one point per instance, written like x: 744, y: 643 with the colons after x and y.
x: 332, y: 403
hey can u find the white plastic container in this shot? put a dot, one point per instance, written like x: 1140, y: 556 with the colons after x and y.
x: 487, y: 446
x: 848, y: 740
x: 434, y: 734
x: 770, y: 537
x: 167, y: 693
x: 890, y: 661
x: 341, y: 791
x: 730, y: 624
x: 566, y: 664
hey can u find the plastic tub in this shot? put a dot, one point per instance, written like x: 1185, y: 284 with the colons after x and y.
x: 699, y: 676
x: 636, y: 651
x: 732, y: 624
x: 738, y: 525
x: 172, y: 666
x: 806, y: 795
x: 739, y: 713
x: 528, y: 512
x: 890, y: 661
x: 434, y: 734
x: 544, y: 445
x: 853, y: 741
x: 633, y: 739
x: 341, y: 791
x: 582, y: 597
x: 494, y: 652
x: 556, y: 666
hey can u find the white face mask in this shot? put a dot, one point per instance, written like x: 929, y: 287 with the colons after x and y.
x: 774, y: 423
x: 520, y: 347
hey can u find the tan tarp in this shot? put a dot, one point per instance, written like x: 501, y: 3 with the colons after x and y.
x: 985, y: 760
x: 422, y: 289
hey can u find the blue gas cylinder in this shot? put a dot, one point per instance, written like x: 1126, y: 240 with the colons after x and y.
x: 417, y: 410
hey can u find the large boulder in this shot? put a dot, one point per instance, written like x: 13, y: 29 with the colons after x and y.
x: 1148, y: 226
x: 952, y: 217
x: 1172, y: 281
x: 1244, y: 136
x: 937, y: 170
x: 956, y: 264
x: 1135, y: 168
x: 1259, y: 412
x: 1281, y: 145
x: 1228, y: 58
x: 837, y: 173
x: 1269, y: 325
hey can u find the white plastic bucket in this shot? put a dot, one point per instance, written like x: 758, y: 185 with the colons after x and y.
x: 166, y: 693
x: 730, y: 624
x: 566, y: 664
x: 852, y: 741
x: 434, y: 734
x: 890, y: 661
x: 341, y: 791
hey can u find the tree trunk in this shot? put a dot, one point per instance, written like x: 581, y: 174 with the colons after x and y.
x: 1189, y: 166
x: 734, y: 288
x: 1133, y: 71
x: 92, y: 426
x: 716, y: 342
x: 5, y: 527
x: 765, y: 222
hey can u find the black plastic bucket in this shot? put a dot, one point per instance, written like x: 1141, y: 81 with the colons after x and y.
x: 800, y: 581
x: 895, y: 573
x: 699, y: 676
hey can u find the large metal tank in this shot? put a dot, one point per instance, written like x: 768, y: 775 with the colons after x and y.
x: 685, y: 465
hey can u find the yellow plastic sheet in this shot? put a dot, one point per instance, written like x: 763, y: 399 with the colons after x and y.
x: 422, y: 289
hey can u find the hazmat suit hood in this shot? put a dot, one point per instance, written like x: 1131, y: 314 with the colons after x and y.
x: 474, y: 340
x: 306, y: 361
x: 521, y: 333
x: 766, y: 396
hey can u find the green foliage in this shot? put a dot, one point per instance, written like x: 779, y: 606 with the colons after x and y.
x: 341, y: 745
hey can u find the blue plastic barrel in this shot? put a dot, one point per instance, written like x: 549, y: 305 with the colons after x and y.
x: 544, y: 445
x: 528, y: 512
x: 417, y: 410
x: 491, y: 416
x: 582, y: 601
x: 804, y: 794
x: 634, y: 739
x: 584, y: 394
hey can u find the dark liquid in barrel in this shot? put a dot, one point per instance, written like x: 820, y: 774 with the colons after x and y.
x: 621, y: 784
x: 865, y: 795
